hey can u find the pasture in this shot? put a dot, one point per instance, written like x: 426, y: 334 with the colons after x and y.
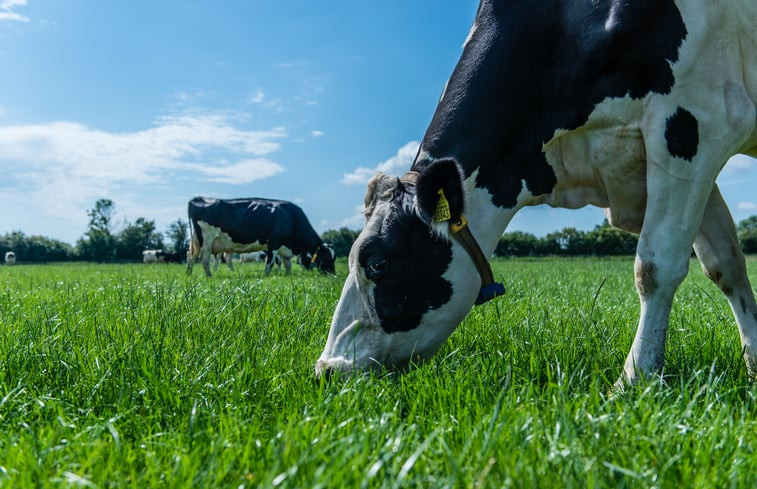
x: 137, y: 376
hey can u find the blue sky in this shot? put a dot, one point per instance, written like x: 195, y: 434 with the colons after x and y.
x: 149, y: 103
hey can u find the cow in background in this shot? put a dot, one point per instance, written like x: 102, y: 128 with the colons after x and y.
x: 253, y: 224
x: 252, y: 257
x: 10, y: 258
x: 152, y: 256
x: 260, y: 256
x: 171, y: 257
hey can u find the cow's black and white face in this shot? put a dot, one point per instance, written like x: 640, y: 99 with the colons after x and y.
x: 409, y: 285
x: 324, y: 259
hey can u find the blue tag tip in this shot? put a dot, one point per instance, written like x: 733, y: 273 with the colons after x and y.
x: 489, y: 292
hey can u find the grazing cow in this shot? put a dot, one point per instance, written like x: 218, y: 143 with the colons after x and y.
x: 171, y: 257
x: 262, y: 256
x: 10, y: 258
x: 253, y: 256
x: 152, y: 256
x: 253, y: 224
x: 633, y: 106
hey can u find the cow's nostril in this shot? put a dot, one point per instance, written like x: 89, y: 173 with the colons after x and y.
x: 328, y: 374
x: 324, y: 373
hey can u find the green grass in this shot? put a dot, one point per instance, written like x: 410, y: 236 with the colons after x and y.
x: 135, y: 376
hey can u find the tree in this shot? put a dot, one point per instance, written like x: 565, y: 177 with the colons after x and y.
x: 101, y: 216
x: 747, y: 233
x: 568, y: 241
x: 341, y: 240
x: 517, y: 243
x: 136, y: 237
x: 35, y: 248
x: 98, y: 244
x: 608, y: 240
x: 178, y: 236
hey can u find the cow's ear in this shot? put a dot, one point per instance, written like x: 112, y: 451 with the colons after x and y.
x: 380, y: 188
x: 440, y: 191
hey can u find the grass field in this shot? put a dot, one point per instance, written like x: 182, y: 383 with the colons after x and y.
x: 135, y: 376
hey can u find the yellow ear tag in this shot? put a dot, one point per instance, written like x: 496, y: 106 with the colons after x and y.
x: 442, y: 208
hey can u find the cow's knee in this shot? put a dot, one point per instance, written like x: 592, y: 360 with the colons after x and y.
x: 655, y: 277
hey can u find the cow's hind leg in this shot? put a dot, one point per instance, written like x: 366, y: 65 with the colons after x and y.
x: 269, y: 259
x: 718, y: 250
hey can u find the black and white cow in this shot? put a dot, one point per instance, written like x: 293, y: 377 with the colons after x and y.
x: 10, y: 258
x: 153, y: 256
x: 261, y: 257
x: 633, y: 106
x: 253, y: 224
x: 172, y: 257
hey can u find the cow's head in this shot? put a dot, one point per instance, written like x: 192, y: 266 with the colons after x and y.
x: 409, y: 284
x: 324, y: 258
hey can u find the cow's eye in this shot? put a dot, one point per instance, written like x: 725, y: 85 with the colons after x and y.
x: 375, y: 267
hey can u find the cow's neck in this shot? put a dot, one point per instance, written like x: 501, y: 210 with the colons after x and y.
x: 486, y: 221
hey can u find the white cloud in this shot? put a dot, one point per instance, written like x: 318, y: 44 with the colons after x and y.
x: 246, y: 171
x: 739, y: 163
x: 7, y: 13
x: 396, y: 165
x: 262, y: 100
x: 315, y: 134
x: 61, y: 166
x: 747, y: 206
x: 258, y: 97
x: 174, y: 143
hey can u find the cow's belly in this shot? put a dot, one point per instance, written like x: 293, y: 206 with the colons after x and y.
x: 222, y: 242
x: 604, y: 166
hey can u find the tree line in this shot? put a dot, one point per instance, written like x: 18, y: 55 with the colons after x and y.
x: 603, y: 240
x: 104, y: 241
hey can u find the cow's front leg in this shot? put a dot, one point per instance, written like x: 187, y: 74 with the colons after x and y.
x: 717, y: 248
x: 205, y: 255
x: 673, y: 215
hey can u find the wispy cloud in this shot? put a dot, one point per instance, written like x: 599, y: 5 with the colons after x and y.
x: 262, y: 100
x: 739, y: 163
x: 7, y: 11
x: 61, y: 165
x: 747, y: 206
x: 396, y: 165
x: 315, y: 134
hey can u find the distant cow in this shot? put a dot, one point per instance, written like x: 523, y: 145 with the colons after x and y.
x: 171, y: 257
x: 258, y: 256
x: 10, y: 258
x: 253, y: 256
x: 261, y: 256
x: 253, y: 224
x: 152, y: 256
